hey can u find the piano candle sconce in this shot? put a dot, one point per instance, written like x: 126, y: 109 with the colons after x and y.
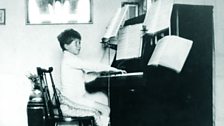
x: 106, y: 44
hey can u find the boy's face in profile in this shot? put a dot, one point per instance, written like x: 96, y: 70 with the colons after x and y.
x: 74, y: 47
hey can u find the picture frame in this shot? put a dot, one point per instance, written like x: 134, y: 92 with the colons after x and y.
x: 59, y: 12
x: 2, y: 16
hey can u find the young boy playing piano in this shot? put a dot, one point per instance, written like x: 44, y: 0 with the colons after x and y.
x: 74, y: 72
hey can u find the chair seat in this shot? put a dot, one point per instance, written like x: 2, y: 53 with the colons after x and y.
x: 72, y: 119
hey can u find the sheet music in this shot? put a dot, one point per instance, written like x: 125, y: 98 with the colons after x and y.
x: 116, y: 22
x: 171, y: 52
x: 158, y: 16
x: 130, y: 42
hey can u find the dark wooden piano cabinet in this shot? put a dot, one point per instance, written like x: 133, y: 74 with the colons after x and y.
x: 166, y: 98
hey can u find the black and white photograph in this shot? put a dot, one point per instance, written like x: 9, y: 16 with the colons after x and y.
x: 111, y: 63
x: 58, y: 11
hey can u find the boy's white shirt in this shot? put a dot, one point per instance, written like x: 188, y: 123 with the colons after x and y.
x: 75, y: 72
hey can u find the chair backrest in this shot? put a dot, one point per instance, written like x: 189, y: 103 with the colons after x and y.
x: 44, y: 75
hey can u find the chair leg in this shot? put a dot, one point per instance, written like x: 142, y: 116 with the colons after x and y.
x: 91, y: 123
x: 80, y: 123
x: 87, y: 123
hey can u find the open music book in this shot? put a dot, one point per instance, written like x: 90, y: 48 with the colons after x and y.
x: 116, y: 23
x: 171, y: 52
x: 130, y: 42
x: 158, y: 16
x: 129, y: 38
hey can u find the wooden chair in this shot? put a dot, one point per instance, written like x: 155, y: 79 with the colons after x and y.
x: 53, y: 110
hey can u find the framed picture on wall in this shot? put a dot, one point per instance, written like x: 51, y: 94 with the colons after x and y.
x: 2, y: 16
x: 58, y: 11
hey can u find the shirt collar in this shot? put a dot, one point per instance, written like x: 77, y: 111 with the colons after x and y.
x: 67, y: 53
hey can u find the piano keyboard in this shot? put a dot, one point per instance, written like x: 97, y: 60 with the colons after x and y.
x: 123, y: 74
x: 132, y: 80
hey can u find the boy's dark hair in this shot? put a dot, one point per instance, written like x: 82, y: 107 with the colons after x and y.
x: 67, y: 36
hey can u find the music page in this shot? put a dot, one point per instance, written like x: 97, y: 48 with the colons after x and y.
x: 171, y: 52
x: 130, y: 42
x: 158, y: 16
x: 116, y: 23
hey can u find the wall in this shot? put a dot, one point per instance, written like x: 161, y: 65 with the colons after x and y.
x: 23, y: 47
x: 218, y: 64
x: 38, y: 43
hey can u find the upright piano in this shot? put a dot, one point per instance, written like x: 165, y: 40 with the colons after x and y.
x: 156, y: 96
